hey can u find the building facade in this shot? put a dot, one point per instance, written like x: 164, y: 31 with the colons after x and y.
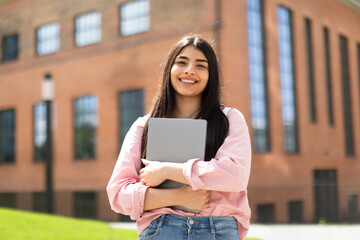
x: 291, y: 67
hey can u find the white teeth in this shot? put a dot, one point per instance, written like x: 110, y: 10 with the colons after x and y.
x: 187, y: 81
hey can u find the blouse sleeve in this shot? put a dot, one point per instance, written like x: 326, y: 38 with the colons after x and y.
x: 125, y: 191
x: 229, y: 171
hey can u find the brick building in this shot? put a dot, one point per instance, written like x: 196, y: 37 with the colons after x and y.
x: 291, y: 67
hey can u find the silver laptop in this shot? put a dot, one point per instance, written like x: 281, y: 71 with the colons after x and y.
x: 175, y: 140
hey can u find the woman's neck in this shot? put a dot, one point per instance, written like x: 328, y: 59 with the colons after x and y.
x: 186, y: 107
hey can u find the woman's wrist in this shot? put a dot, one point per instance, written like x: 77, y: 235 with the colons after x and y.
x: 174, y: 171
x: 158, y: 198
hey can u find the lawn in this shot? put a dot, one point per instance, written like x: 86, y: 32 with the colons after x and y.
x: 23, y: 225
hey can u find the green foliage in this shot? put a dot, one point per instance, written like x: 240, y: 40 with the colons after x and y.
x: 22, y: 225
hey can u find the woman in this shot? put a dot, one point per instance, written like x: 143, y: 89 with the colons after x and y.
x: 216, y: 185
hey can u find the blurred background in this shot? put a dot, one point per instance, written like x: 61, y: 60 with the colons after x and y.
x: 74, y: 76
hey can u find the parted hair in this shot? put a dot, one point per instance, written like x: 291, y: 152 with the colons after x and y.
x: 164, y: 101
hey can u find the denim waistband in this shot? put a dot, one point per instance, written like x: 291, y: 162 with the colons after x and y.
x: 197, y: 222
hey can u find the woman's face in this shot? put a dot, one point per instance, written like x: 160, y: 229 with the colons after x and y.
x: 189, y: 73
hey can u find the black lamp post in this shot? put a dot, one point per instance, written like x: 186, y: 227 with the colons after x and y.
x: 48, y: 95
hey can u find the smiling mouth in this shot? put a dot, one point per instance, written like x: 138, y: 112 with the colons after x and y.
x: 187, y: 81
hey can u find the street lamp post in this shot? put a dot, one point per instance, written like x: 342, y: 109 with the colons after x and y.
x: 48, y: 96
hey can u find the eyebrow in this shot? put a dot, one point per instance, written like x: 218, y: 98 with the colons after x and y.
x: 197, y: 60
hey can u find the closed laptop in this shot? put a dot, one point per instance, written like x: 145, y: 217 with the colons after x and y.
x: 175, y: 140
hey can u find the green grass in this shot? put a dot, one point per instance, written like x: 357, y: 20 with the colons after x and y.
x: 23, y: 225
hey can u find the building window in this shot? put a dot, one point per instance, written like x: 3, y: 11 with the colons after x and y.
x: 131, y: 104
x: 10, y: 48
x: 135, y: 17
x: 266, y: 213
x: 8, y: 200
x: 328, y: 76
x: 85, y: 205
x: 353, y: 213
x: 258, y: 81
x: 310, y: 64
x: 85, y: 122
x: 39, y: 131
x: 7, y: 136
x: 40, y: 202
x: 346, y: 90
x: 295, y: 211
x: 88, y: 29
x: 48, y: 40
x: 287, y: 81
x: 326, y: 195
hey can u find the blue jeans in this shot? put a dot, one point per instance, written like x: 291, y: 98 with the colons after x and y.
x: 174, y: 227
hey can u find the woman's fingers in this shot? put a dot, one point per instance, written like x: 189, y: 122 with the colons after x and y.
x: 145, y: 162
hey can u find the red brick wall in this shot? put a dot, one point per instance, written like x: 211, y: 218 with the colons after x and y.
x: 121, y: 63
x: 115, y: 64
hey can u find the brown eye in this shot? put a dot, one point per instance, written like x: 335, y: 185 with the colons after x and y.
x: 201, y: 66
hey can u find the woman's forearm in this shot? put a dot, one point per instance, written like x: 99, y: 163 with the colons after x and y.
x: 174, y: 171
x: 158, y: 198
x: 154, y: 173
x: 183, y: 196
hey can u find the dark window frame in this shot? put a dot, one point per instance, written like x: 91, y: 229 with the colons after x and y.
x: 14, y: 52
x: 86, y: 204
x: 291, y: 133
x: 326, y: 195
x: 328, y: 76
x: 353, y: 208
x: 124, y: 127
x: 296, y: 211
x: 310, y: 67
x: 266, y: 213
x: 7, y: 156
x: 8, y: 199
x: 85, y: 147
x: 346, y: 93
x: 40, y: 202
x: 260, y: 135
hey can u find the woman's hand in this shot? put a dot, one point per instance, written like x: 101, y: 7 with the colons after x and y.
x: 152, y: 174
x: 193, y: 199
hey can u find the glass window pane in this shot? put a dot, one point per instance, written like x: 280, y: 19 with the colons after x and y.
x: 48, y: 38
x: 287, y: 81
x: 346, y: 92
x: 39, y: 131
x: 88, y: 29
x: 131, y: 106
x: 258, y: 89
x: 10, y: 48
x: 135, y: 17
x: 7, y: 136
x: 85, y: 123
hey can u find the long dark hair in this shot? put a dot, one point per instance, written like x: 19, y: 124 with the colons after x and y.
x: 217, y: 122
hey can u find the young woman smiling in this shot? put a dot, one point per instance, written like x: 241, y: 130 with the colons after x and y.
x: 215, y: 185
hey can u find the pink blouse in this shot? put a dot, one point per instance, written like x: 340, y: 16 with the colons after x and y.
x: 226, y: 175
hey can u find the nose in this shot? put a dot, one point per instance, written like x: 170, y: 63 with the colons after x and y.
x: 190, y: 70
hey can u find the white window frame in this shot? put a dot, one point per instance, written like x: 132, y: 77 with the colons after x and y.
x: 88, y: 29
x: 48, y: 39
x: 135, y: 17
